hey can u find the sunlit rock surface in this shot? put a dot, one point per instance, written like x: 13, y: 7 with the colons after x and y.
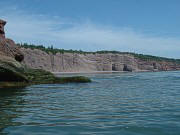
x: 74, y: 62
x: 7, y: 46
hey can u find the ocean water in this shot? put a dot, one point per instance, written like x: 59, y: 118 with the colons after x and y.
x: 113, y: 104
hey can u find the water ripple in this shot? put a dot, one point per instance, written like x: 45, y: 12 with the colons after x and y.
x: 127, y: 104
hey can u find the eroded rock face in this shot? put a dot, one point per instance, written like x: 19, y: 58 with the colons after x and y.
x: 69, y: 62
x: 2, y: 24
x: 7, y: 46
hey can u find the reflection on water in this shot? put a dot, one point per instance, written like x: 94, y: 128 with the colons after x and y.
x: 10, y: 99
x: 118, y: 103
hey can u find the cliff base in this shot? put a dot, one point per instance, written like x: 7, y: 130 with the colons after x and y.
x: 13, y: 74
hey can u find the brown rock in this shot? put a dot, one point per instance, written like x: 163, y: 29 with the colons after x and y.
x: 7, y: 46
x: 74, y: 62
x: 69, y: 62
x: 2, y: 24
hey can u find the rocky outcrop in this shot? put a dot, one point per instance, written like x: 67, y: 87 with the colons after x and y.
x: 14, y: 74
x: 74, y: 62
x: 7, y: 46
x: 157, y: 65
x: 2, y: 24
x: 11, y: 70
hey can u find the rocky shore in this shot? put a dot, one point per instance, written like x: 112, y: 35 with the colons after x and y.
x: 27, y: 65
x: 13, y: 73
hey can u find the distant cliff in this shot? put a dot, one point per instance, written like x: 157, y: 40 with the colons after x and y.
x: 60, y: 60
x: 88, y: 62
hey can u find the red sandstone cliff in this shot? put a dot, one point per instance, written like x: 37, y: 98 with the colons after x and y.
x: 7, y: 46
x: 74, y: 62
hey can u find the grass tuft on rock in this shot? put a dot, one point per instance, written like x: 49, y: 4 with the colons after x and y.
x: 74, y: 79
x: 40, y: 76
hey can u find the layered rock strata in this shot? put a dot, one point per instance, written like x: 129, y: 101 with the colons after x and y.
x: 73, y: 62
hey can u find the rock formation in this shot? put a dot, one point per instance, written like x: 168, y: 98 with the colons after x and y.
x: 2, y: 24
x: 15, y: 74
x: 7, y: 46
x: 74, y: 62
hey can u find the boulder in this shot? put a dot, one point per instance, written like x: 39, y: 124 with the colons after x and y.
x: 11, y: 70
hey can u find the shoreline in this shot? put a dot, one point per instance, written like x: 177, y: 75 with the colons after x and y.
x: 102, y: 72
x: 89, y: 72
x: 94, y: 72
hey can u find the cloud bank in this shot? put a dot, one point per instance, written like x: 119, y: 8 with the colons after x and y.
x: 85, y: 35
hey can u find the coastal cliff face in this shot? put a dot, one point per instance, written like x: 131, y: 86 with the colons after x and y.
x: 74, y: 62
x: 14, y: 75
x: 7, y: 46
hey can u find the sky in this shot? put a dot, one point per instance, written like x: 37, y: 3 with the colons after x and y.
x: 141, y: 26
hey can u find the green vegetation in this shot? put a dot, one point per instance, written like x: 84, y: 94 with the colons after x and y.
x: 50, y: 49
x: 53, y: 50
x: 155, y: 58
x: 39, y: 76
x: 13, y: 84
x: 73, y: 79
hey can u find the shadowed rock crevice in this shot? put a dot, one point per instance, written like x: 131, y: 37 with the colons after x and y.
x: 127, y: 68
x: 113, y: 67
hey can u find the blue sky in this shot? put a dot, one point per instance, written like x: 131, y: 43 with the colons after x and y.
x: 141, y: 26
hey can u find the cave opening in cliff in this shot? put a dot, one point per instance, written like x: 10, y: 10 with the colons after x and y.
x: 113, y: 67
x: 127, y: 68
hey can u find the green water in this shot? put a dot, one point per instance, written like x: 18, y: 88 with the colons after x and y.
x: 113, y: 104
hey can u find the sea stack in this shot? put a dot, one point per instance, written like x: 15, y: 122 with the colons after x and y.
x: 8, y: 46
x: 2, y: 24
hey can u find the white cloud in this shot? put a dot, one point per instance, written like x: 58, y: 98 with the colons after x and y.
x: 67, y: 34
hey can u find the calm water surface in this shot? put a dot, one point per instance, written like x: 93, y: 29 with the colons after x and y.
x: 113, y: 104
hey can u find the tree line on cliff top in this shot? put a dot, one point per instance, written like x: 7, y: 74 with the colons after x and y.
x: 51, y: 49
